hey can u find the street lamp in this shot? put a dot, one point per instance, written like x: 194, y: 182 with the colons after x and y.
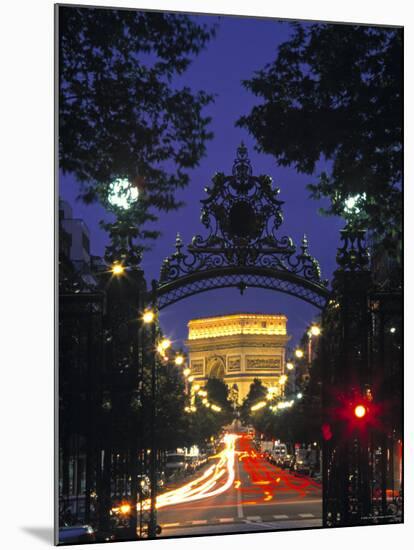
x: 271, y: 392
x: 290, y: 365
x: 179, y: 360
x: 148, y: 316
x: 283, y: 379
x: 299, y: 353
x: 258, y: 406
x: 353, y: 204
x: 122, y: 194
x: 125, y: 508
x: 315, y: 330
x: 165, y: 343
x: 117, y: 269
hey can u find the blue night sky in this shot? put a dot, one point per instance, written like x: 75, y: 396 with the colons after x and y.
x: 242, y: 45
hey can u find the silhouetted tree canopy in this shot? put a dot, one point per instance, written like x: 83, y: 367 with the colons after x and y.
x: 121, y: 113
x: 257, y: 392
x: 334, y: 93
x: 218, y: 393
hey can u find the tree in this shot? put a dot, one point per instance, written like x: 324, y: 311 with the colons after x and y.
x: 120, y: 114
x: 172, y: 421
x: 257, y: 393
x: 334, y: 93
x: 218, y: 393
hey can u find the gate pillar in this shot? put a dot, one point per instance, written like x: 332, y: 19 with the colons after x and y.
x: 120, y: 428
x: 347, y: 382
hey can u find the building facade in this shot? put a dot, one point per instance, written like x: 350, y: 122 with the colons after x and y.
x: 237, y: 349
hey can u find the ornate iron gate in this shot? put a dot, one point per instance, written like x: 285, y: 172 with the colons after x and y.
x: 242, y: 214
x: 243, y: 248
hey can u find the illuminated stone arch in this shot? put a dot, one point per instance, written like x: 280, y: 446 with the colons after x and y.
x: 216, y: 367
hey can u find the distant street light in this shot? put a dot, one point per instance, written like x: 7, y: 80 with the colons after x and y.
x: 299, y: 353
x: 165, y: 343
x: 283, y: 379
x: 258, y: 406
x: 125, y: 508
x: 299, y: 395
x: 179, y: 360
x: 290, y: 365
x: 315, y: 330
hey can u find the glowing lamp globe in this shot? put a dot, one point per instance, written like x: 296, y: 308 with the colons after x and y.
x: 122, y: 194
x: 118, y: 269
x: 360, y: 411
x: 283, y: 379
x: 165, y: 343
x: 315, y: 330
x: 353, y: 204
x: 125, y: 508
x: 148, y: 316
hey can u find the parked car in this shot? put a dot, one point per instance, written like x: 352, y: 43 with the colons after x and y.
x: 175, y: 463
x: 144, y: 484
x: 288, y: 461
x: 202, y: 459
x: 266, y: 446
x: 192, y: 463
x: 76, y: 533
x: 278, y: 453
x: 302, y: 462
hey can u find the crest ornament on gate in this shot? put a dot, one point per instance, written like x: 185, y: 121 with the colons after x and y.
x: 242, y: 214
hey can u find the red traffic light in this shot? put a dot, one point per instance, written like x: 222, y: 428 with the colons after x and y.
x: 360, y: 411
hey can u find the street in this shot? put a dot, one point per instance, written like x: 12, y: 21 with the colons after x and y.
x: 240, y: 492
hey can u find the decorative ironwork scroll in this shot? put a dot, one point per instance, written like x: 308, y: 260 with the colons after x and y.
x: 353, y: 255
x: 242, y: 214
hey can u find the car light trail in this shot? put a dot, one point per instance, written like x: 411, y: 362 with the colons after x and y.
x: 204, y: 486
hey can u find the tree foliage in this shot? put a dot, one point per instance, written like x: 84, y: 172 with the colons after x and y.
x: 205, y: 422
x: 334, y: 93
x: 121, y: 114
x: 257, y: 392
x: 218, y: 393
